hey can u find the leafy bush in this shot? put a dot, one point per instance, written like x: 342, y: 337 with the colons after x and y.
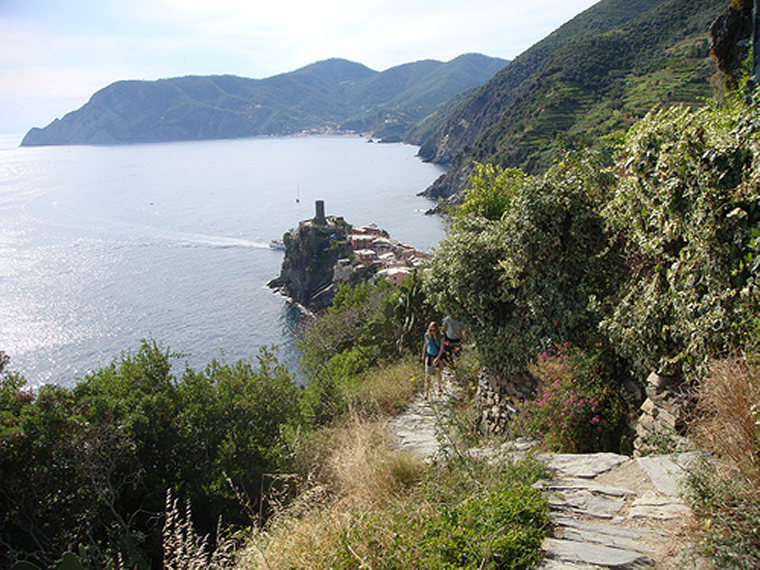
x: 524, y: 258
x: 90, y: 465
x: 369, y: 324
x: 501, y: 528
x: 688, y: 208
x: 578, y: 408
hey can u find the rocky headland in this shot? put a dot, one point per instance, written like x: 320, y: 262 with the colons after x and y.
x: 325, y: 251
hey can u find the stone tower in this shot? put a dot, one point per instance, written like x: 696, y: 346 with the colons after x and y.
x: 319, y: 218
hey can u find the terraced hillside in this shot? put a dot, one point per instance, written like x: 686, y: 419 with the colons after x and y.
x: 591, y: 77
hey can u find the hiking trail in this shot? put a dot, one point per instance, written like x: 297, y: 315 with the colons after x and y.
x: 608, y: 510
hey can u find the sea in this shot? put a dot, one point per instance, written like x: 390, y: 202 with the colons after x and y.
x: 104, y: 246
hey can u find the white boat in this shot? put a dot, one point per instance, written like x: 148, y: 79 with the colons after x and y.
x: 277, y: 244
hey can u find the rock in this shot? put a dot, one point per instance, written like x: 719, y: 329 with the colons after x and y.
x: 653, y: 506
x: 613, y: 535
x: 587, y: 504
x: 662, y: 380
x: 583, y: 465
x: 311, y: 252
x: 567, y: 484
x: 648, y: 407
x: 729, y: 39
x: 667, y: 472
x: 596, y: 554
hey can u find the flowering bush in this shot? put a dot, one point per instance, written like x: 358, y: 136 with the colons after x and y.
x: 577, y: 408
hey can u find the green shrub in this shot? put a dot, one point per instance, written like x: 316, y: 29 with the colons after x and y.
x: 688, y: 209
x: 728, y: 507
x: 368, y: 325
x: 502, y: 528
x: 90, y: 465
x: 524, y: 258
x: 578, y: 408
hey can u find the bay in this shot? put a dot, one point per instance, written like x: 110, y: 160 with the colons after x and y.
x: 101, y: 247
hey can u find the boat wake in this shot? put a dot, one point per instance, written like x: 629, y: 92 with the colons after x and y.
x: 204, y: 240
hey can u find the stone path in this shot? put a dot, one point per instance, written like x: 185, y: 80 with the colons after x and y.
x: 613, y: 511
x: 609, y: 511
x: 419, y: 428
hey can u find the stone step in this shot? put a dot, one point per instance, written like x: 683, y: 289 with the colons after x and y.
x: 583, y: 466
x: 567, y: 484
x: 667, y: 472
x: 587, y: 504
x: 594, y: 554
x: 658, y: 507
x: 617, y: 536
x: 548, y: 564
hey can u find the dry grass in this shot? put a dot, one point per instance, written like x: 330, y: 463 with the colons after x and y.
x: 388, y: 389
x: 355, y: 462
x: 184, y: 549
x: 725, y: 494
x: 355, y: 475
x: 727, y: 414
x: 362, y: 468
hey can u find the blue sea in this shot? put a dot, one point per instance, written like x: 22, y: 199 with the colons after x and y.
x: 102, y: 246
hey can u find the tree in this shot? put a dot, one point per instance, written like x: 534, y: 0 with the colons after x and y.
x: 91, y: 465
x: 525, y: 258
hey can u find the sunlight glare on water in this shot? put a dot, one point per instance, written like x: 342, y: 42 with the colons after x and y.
x: 103, y: 246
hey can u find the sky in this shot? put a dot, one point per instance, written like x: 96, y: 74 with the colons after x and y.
x: 54, y: 54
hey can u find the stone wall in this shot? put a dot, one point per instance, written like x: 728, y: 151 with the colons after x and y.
x: 495, y: 396
x: 661, y: 427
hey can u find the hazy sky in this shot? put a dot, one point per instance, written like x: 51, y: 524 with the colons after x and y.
x: 54, y: 54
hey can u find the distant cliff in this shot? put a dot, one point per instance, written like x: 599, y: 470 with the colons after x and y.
x: 329, y: 95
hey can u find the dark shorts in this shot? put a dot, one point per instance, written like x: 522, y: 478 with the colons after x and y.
x: 429, y: 365
x: 451, y: 348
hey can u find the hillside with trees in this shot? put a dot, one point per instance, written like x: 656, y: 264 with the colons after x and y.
x: 334, y: 94
x: 593, y: 76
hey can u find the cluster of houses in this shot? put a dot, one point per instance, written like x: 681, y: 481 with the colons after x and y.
x: 371, y: 246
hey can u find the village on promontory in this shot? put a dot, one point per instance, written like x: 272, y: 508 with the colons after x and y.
x: 326, y: 250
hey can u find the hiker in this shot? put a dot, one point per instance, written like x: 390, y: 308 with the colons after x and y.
x: 453, y: 335
x: 431, y: 356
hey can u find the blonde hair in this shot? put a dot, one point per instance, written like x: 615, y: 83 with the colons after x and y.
x: 431, y: 325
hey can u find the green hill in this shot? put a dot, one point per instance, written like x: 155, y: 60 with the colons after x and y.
x: 592, y: 76
x: 331, y: 94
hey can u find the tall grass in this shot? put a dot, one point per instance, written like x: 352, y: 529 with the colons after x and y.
x: 386, y: 390
x: 371, y: 507
x: 728, y: 414
x: 353, y: 465
x: 725, y: 493
x: 185, y: 549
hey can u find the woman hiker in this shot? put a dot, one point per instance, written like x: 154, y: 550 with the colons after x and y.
x: 431, y: 355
